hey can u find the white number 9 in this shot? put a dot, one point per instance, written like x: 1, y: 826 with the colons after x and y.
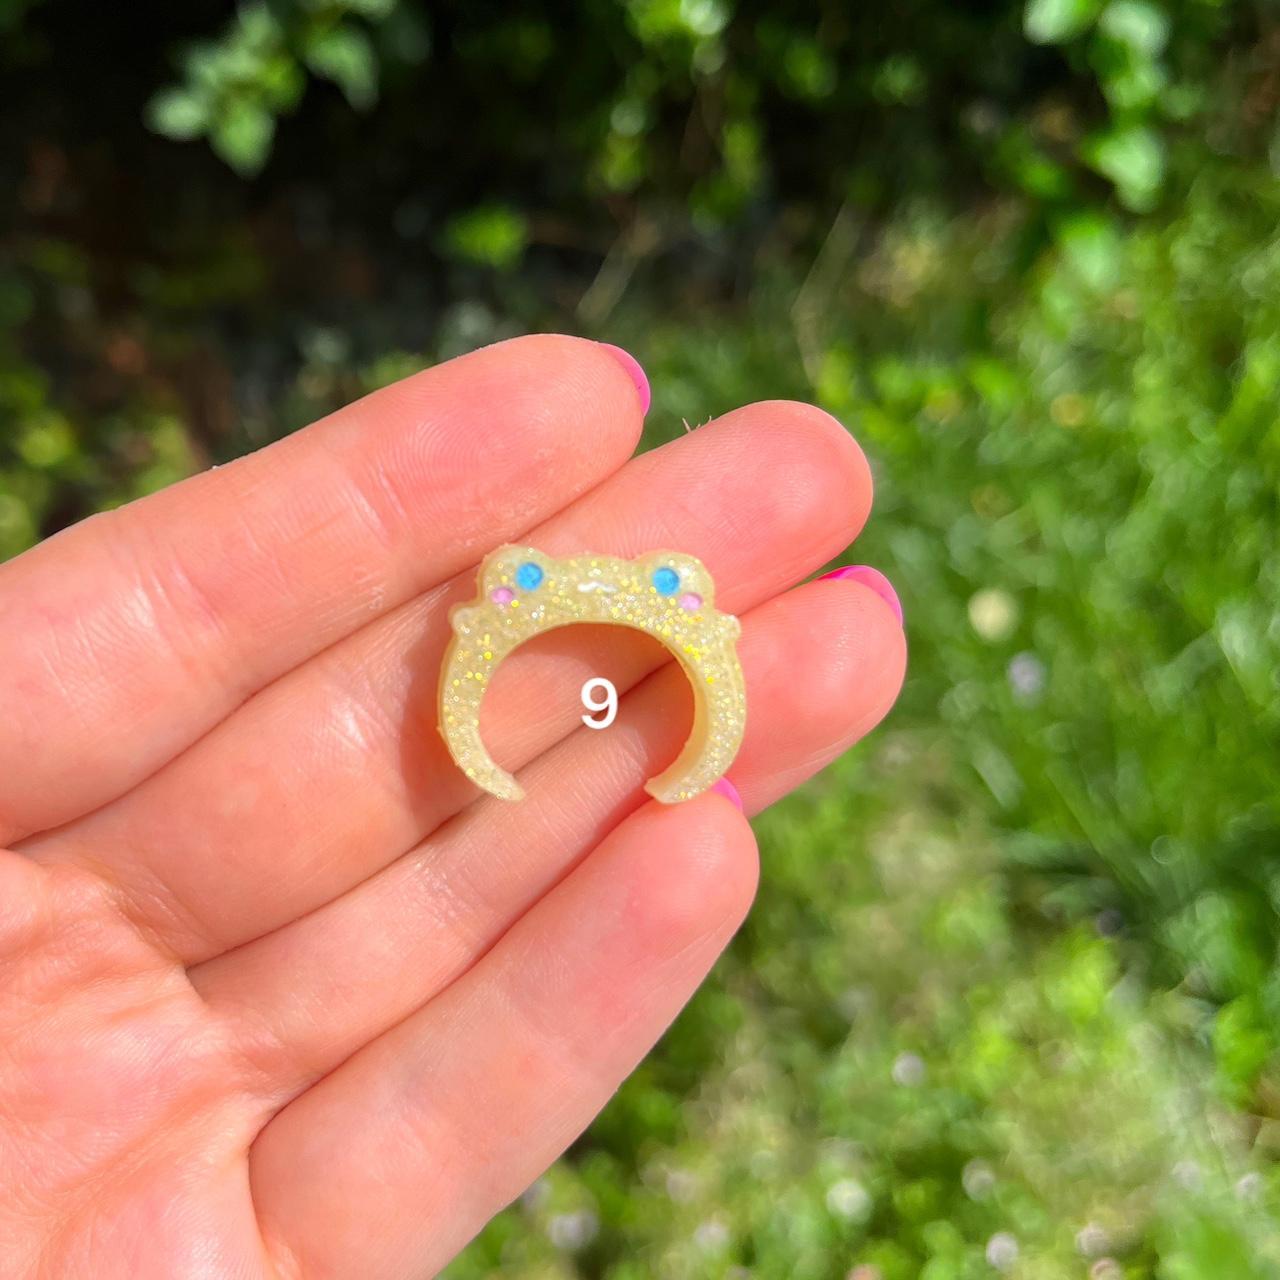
x: 609, y: 706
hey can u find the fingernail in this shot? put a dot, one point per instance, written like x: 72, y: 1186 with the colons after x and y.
x: 634, y: 372
x: 872, y: 578
x: 726, y: 788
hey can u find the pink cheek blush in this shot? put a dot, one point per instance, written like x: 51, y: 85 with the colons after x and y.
x: 502, y: 595
x: 691, y: 601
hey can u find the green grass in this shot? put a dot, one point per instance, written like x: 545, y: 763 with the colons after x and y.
x: 1010, y: 986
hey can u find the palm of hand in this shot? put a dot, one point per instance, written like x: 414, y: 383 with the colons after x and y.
x: 279, y: 994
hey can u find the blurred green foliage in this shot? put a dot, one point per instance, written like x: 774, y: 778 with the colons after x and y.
x: 1127, y: 69
x: 1010, y: 988
x: 1008, y: 1002
x: 236, y: 85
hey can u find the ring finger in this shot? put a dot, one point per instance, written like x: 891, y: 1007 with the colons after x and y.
x: 312, y: 993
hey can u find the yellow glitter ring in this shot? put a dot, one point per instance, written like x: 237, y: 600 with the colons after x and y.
x: 523, y: 592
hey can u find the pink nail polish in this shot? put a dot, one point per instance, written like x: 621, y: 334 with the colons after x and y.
x: 634, y: 372
x: 726, y: 788
x: 872, y: 578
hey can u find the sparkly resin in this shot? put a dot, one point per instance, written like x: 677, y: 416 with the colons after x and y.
x: 668, y: 595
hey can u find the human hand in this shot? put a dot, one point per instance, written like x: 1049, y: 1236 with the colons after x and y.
x: 280, y: 994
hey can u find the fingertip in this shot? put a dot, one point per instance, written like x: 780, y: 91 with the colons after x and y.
x: 842, y: 457
x: 804, y: 715
x: 635, y: 371
x: 869, y: 655
x: 555, y: 371
x: 871, y: 578
x: 815, y: 492
x: 708, y: 872
x: 726, y: 788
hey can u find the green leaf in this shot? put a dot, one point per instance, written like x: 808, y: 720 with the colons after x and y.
x: 1135, y: 86
x: 1133, y: 158
x: 345, y: 56
x: 662, y: 19
x: 492, y: 235
x: 1056, y: 21
x: 257, y: 30
x: 178, y: 113
x: 1241, y: 1046
x: 48, y: 441
x: 899, y: 79
x: 202, y: 65
x: 1091, y: 249
x: 280, y: 81
x: 704, y: 17
x: 1031, y: 167
x: 242, y: 135
x: 808, y: 70
x: 1141, y: 25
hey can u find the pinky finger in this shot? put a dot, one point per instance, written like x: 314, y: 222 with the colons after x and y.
x: 392, y: 1163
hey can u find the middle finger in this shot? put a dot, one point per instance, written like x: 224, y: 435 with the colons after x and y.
x: 336, y: 769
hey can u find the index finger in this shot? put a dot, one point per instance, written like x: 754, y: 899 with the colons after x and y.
x: 165, y: 615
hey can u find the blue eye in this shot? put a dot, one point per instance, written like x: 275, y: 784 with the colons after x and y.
x: 666, y: 580
x: 528, y: 575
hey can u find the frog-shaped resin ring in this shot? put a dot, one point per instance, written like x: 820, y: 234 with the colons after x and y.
x: 666, y: 594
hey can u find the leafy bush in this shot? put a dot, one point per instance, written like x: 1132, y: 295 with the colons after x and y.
x: 773, y: 93
x: 236, y: 85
